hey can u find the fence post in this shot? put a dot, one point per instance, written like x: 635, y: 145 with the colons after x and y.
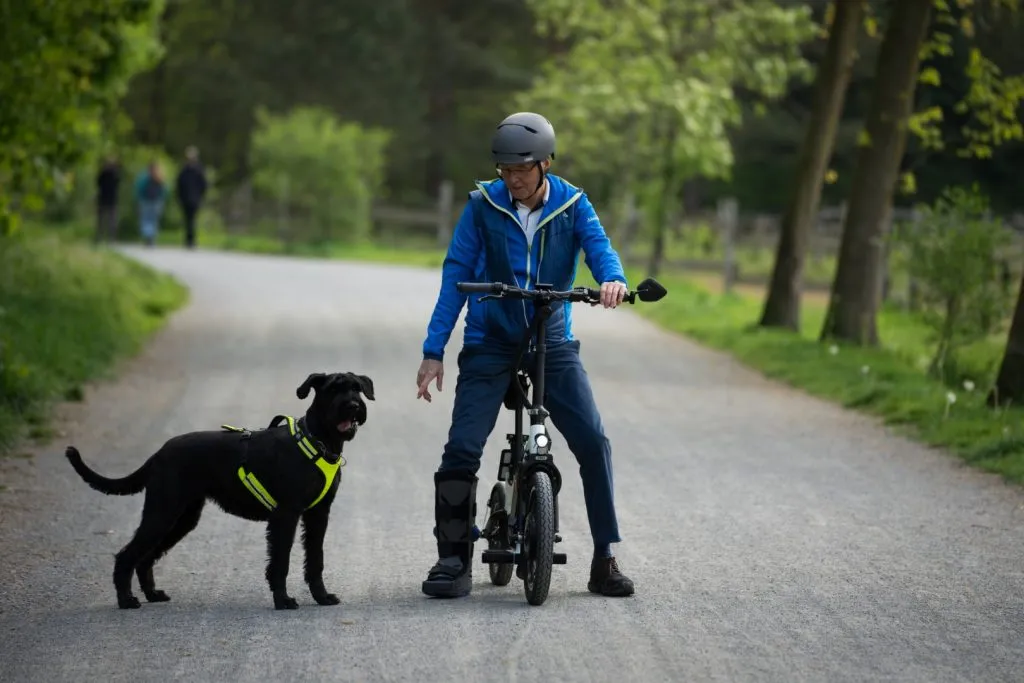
x: 445, y: 196
x: 728, y: 216
x: 283, y: 227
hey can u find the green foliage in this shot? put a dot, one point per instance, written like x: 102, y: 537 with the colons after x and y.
x: 327, y: 169
x: 64, y: 65
x: 642, y: 73
x: 987, y: 107
x: 994, y: 100
x: 953, y: 253
x: 66, y: 313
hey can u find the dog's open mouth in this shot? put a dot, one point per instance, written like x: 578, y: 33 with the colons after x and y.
x: 346, y: 426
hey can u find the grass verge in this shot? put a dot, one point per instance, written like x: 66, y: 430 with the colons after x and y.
x: 888, y: 382
x: 67, y: 313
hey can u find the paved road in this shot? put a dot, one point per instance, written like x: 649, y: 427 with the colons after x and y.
x: 771, y: 537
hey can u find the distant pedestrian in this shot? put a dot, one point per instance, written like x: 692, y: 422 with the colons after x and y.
x: 191, y: 188
x: 107, y: 181
x: 151, y: 193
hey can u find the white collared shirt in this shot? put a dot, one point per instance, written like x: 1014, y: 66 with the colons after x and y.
x: 528, y: 218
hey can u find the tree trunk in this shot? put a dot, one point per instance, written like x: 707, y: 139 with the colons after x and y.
x: 440, y: 112
x: 853, y: 305
x: 1009, y: 388
x: 440, y: 97
x: 782, y: 307
x: 668, y: 194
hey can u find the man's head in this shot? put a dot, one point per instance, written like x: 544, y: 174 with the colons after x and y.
x: 338, y: 408
x: 522, y: 148
x: 192, y: 153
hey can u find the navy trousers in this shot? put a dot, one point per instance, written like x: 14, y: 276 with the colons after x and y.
x: 483, y: 379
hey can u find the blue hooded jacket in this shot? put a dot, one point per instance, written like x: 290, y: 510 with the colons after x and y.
x: 489, y: 244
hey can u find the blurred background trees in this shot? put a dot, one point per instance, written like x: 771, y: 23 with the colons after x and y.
x: 689, y: 123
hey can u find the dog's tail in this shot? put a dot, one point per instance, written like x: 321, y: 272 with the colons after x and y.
x: 133, y: 483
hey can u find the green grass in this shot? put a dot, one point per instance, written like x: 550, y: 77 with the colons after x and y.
x: 889, y: 382
x: 425, y: 256
x: 67, y: 313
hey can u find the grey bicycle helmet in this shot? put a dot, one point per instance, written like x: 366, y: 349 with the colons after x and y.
x: 523, y: 137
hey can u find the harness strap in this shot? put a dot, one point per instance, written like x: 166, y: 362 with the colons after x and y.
x: 319, y: 457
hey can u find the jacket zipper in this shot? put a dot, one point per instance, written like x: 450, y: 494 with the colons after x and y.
x: 541, y: 228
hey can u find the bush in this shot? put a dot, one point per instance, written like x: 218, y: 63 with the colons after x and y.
x: 952, y: 252
x: 328, y: 170
x: 67, y: 311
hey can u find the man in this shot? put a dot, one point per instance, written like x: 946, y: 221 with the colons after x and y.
x: 525, y: 227
x: 107, y: 181
x: 191, y: 187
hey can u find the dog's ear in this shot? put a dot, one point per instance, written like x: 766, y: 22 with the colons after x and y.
x: 314, y: 381
x: 366, y: 386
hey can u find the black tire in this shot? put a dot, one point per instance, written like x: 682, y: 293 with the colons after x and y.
x: 539, y: 539
x: 500, y: 574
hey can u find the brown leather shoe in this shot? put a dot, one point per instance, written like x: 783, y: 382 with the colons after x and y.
x: 607, y: 580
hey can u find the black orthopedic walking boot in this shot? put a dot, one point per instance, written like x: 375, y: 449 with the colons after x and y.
x: 454, y: 514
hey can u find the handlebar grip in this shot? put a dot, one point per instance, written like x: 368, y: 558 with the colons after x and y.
x: 630, y: 297
x: 479, y: 287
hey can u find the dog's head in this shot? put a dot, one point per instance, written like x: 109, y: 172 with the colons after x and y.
x: 338, y: 408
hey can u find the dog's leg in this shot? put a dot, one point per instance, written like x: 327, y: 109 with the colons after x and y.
x: 158, y: 519
x: 314, y: 527
x: 280, y: 537
x: 185, y: 524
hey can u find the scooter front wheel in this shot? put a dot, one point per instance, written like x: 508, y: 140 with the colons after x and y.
x: 539, y: 538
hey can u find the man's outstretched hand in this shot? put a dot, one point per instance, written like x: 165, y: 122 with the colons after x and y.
x: 429, y: 370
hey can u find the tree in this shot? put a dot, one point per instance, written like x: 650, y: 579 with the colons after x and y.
x: 953, y: 252
x: 330, y: 170
x: 856, y: 288
x: 663, y: 76
x: 63, y: 69
x: 1009, y: 386
x: 436, y: 73
x: 782, y: 307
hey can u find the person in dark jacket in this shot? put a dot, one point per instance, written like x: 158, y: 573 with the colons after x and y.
x: 525, y: 227
x: 107, y: 181
x: 191, y: 187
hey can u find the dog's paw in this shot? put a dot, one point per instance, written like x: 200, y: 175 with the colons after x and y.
x: 285, y: 602
x: 327, y: 599
x: 157, y: 596
x: 128, y: 602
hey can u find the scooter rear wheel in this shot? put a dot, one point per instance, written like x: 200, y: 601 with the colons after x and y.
x: 500, y: 574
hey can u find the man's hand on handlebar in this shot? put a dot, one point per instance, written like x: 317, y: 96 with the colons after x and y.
x: 612, y: 294
x: 429, y: 370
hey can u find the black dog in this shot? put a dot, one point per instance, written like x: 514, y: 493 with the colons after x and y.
x: 279, y: 475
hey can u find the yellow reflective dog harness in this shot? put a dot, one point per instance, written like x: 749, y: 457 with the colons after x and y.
x: 330, y: 469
